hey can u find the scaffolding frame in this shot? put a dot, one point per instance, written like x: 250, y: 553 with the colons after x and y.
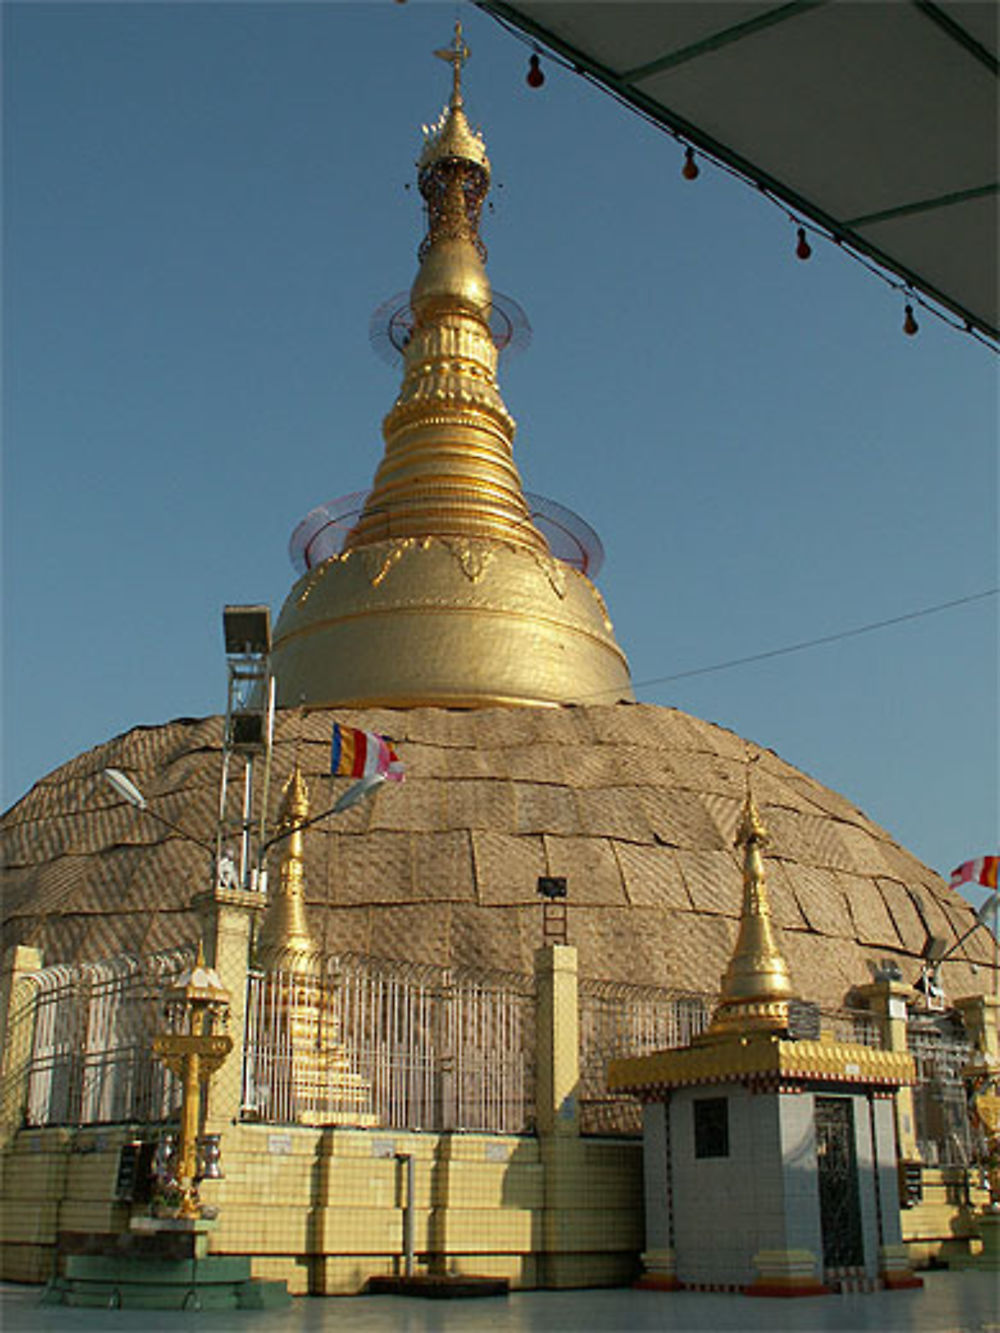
x: 248, y: 736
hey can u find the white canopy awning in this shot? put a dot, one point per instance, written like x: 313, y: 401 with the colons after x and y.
x: 875, y: 121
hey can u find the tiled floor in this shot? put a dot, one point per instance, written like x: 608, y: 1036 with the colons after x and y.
x: 948, y: 1303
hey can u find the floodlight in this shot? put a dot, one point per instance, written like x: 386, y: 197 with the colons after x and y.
x: 125, y: 788
x: 246, y: 729
x: 935, y: 948
x: 552, y: 886
x: 358, y: 792
x: 247, y: 630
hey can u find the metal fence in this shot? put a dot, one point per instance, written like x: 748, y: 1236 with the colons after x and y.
x: 807, y: 1021
x: 90, y: 1058
x: 358, y: 1040
x: 941, y: 1050
x: 365, y: 1041
x: 619, y: 1019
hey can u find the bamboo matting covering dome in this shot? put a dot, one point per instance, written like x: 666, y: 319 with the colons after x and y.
x: 636, y: 804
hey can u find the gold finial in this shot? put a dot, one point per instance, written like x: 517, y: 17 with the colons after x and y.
x: 456, y: 55
x: 294, y: 800
x: 757, y: 987
x: 449, y: 138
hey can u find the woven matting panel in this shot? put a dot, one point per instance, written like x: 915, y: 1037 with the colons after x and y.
x: 636, y: 805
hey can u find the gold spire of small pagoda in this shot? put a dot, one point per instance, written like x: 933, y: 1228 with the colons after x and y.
x: 445, y: 591
x: 756, y: 987
x: 284, y: 940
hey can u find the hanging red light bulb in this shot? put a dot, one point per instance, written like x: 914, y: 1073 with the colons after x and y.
x: 536, y: 75
x: 910, y: 325
x: 690, y: 170
x: 803, y: 250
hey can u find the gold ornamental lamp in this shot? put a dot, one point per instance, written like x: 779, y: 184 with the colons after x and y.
x: 193, y: 1047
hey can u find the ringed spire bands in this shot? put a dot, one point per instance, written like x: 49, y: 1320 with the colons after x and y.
x: 448, y: 467
x: 445, y: 591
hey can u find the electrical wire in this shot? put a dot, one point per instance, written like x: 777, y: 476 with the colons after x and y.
x: 821, y: 640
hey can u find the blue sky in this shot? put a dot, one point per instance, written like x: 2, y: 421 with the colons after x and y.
x: 203, y: 205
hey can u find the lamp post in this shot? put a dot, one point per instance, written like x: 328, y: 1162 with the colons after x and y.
x: 129, y: 792
x: 935, y: 954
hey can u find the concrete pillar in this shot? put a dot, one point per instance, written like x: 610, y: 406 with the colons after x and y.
x: 894, y: 1265
x: 981, y: 1016
x: 17, y: 1015
x: 888, y: 1001
x: 557, y: 1026
x: 557, y: 1112
x: 228, y: 918
x: 659, y: 1262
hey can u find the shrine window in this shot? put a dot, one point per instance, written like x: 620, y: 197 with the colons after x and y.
x: 711, y: 1127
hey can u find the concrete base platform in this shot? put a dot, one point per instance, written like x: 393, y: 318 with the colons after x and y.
x: 988, y: 1261
x: 216, y: 1282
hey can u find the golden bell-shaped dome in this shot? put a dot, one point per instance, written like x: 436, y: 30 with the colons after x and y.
x: 445, y: 591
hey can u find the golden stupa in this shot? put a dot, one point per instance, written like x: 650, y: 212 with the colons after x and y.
x: 756, y: 986
x: 317, y: 1083
x: 284, y: 941
x: 445, y: 592
x: 442, y: 607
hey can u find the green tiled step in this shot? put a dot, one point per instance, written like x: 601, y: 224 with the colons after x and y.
x: 213, y: 1268
x: 217, y: 1282
x: 147, y: 1296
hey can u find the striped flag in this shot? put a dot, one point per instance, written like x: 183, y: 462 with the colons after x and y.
x: 983, y: 871
x: 360, y: 754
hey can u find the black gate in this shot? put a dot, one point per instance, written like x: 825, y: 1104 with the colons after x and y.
x: 839, y: 1200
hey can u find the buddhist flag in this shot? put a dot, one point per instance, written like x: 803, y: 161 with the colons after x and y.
x: 362, y: 754
x: 981, y: 871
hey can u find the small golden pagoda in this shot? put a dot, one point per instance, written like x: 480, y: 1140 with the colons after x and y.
x: 284, y: 942
x: 445, y: 592
x: 775, y: 1148
x: 756, y: 988
x: 748, y: 1038
x: 316, y: 1081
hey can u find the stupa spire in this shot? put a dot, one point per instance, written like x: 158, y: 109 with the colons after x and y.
x: 285, y: 940
x: 756, y: 987
x: 444, y: 590
x: 448, y: 469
